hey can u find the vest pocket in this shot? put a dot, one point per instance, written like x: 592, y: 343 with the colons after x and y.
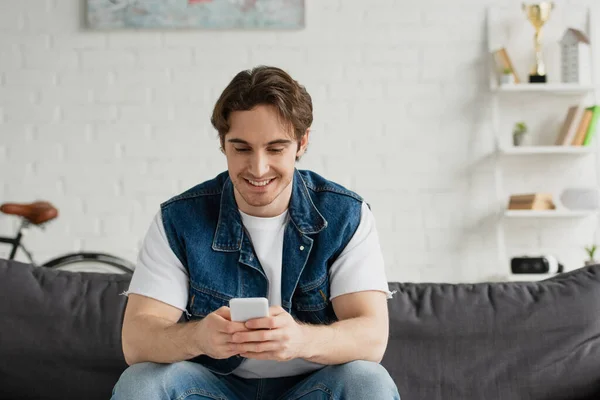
x: 203, y: 301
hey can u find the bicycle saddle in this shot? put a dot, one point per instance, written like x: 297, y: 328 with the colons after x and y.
x: 36, y: 213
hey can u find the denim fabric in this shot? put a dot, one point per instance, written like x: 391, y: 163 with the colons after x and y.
x: 357, y: 380
x: 205, y: 231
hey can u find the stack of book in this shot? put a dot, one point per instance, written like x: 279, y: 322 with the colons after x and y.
x: 579, y: 126
x: 532, y: 201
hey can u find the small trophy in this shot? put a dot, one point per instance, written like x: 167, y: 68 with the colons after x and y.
x: 538, y: 14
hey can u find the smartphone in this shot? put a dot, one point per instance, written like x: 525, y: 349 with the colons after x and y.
x: 243, y: 309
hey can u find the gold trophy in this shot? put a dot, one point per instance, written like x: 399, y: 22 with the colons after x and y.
x: 538, y: 14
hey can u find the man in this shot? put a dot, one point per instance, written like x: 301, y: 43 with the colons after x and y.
x: 261, y: 229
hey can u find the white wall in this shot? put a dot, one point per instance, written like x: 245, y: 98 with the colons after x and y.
x: 106, y: 125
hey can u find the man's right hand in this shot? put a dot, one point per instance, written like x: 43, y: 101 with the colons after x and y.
x: 215, y: 332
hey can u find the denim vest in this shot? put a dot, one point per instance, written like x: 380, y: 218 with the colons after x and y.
x: 204, y: 229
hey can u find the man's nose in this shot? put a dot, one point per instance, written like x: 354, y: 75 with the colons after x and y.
x: 259, y: 165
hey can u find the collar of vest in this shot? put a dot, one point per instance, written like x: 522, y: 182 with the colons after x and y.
x: 302, y: 211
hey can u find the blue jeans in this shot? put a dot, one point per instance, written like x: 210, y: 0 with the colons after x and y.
x: 188, y: 380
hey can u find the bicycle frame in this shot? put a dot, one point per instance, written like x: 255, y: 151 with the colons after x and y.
x: 66, y: 259
x: 16, y: 242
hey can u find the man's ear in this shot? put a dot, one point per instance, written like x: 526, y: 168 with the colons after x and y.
x: 303, y: 143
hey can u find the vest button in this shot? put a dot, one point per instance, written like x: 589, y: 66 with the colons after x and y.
x: 301, y: 248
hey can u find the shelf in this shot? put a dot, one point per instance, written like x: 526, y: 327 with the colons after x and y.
x: 548, y: 213
x: 529, y: 277
x: 558, y: 88
x: 532, y: 150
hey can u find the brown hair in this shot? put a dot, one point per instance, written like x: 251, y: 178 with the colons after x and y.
x: 269, y: 86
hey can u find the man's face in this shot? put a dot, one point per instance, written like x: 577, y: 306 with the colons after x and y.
x: 261, y: 155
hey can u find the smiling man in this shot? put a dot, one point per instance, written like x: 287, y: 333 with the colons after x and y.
x: 260, y: 229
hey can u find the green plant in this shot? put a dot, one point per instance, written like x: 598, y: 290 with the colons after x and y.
x: 591, y: 250
x: 507, y: 71
x: 520, y: 128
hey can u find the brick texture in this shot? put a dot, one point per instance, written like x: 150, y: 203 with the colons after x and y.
x: 108, y: 124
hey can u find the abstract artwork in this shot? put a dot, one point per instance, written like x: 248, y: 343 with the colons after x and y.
x: 204, y: 14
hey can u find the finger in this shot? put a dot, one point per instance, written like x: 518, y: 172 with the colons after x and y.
x: 266, y: 323
x: 224, y: 312
x: 276, y: 310
x: 225, y: 324
x: 262, y: 335
x: 233, y: 327
x: 257, y: 347
x: 232, y: 350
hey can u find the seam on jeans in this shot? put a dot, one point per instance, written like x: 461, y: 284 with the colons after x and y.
x: 319, y: 386
x: 200, y: 392
x: 259, y: 389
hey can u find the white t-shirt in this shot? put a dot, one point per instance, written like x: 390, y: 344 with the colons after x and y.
x: 160, y: 275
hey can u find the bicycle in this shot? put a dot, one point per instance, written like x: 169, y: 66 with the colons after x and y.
x: 42, y: 212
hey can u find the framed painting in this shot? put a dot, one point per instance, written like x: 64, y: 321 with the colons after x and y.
x: 201, y: 14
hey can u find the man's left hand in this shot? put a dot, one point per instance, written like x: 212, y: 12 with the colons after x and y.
x: 277, y: 337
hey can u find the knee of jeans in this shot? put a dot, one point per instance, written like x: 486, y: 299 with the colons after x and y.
x: 138, y: 381
x: 367, y: 377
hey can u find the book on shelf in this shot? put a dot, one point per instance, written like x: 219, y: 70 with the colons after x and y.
x: 592, y: 127
x: 531, y: 201
x: 569, y: 126
x: 582, y: 129
x: 503, y: 62
x: 579, y: 126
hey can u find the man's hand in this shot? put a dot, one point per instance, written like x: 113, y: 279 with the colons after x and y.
x: 215, y: 334
x: 277, y: 337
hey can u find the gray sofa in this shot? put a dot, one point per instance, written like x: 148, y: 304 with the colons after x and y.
x: 60, y: 337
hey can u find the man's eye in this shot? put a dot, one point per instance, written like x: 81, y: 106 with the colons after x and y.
x: 241, y: 150
x: 275, y: 150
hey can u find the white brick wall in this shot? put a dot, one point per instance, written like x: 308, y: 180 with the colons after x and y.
x: 106, y: 125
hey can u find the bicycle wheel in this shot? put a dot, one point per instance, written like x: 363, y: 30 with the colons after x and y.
x: 91, y: 262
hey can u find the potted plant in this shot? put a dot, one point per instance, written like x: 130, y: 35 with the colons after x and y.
x: 590, y: 250
x: 507, y: 76
x: 519, y: 132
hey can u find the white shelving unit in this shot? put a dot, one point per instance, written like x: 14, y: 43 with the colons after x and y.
x: 550, y: 88
x: 529, y: 277
x: 502, y: 139
x: 548, y: 214
x: 552, y: 150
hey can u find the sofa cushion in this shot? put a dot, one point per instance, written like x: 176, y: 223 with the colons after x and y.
x: 60, y: 332
x: 500, y: 340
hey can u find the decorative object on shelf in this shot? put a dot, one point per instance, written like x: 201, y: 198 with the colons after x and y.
x: 519, y: 131
x: 580, y: 198
x: 531, y: 201
x: 576, y: 64
x: 507, y: 77
x: 538, y: 14
x: 503, y: 64
x: 590, y: 250
x: 544, y: 264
